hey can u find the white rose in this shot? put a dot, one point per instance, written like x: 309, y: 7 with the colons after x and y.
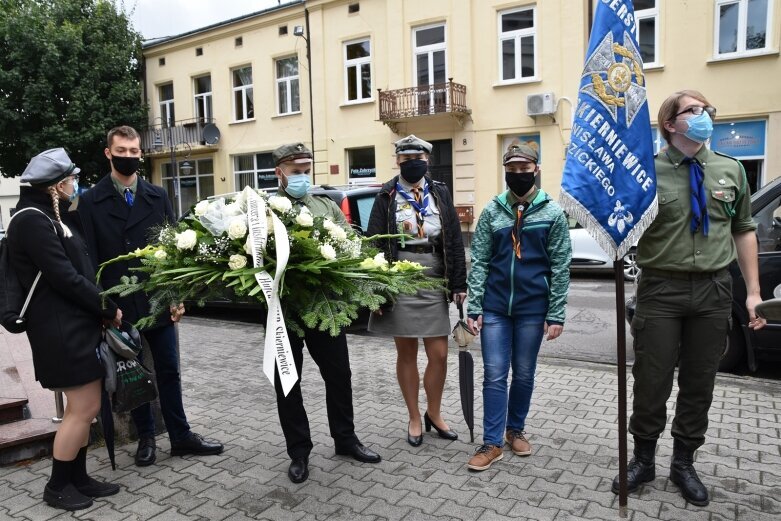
x: 328, y: 224
x: 160, y: 254
x: 380, y: 261
x: 338, y: 233
x: 201, y: 208
x: 304, y: 218
x: 186, y: 240
x: 237, y: 228
x: 280, y: 204
x: 328, y: 252
x: 236, y: 262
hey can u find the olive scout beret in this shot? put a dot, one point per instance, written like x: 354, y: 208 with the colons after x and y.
x: 520, y: 152
x: 412, y: 145
x: 295, y: 152
x: 49, y: 167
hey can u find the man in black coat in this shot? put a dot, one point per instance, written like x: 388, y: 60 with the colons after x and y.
x: 119, y: 213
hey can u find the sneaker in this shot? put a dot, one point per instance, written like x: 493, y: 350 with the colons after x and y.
x: 484, y: 457
x: 518, y: 443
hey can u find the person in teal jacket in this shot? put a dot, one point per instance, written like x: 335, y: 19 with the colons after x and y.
x: 517, y: 290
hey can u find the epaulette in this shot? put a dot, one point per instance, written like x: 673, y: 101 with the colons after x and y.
x: 725, y: 155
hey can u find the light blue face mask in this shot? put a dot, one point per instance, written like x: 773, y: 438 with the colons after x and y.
x: 297, y: 185
x: 700, y: 128
x: 75, y: 193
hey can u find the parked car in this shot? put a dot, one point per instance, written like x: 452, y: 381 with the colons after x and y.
x: 744, y: 345
x: 588, y: 255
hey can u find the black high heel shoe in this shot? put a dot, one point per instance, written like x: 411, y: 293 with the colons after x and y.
x: 415, y: 441
x: 448, y: 435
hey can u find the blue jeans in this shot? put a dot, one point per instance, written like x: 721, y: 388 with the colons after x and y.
x: 162, y: 344
x: 505, y: 341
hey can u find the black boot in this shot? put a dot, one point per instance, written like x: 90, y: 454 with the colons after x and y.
x: 87, y: 485
x: 641, y: 469
x: 682, y: 473
x: 60, y: 492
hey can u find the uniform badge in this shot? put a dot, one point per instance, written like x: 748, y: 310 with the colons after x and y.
x: 722, y: 182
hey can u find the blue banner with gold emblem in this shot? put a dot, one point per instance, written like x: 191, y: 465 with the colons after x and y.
x: 609, y: 182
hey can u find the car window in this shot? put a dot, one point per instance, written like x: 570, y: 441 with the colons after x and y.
x: 768, y: 221
x: 364, y: 204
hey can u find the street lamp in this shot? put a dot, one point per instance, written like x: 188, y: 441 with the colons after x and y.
x: 299, y: 31
x: 186, y: 167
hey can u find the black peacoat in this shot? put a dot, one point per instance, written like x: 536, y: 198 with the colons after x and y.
x: 113, y: 228
x: 64, y: 316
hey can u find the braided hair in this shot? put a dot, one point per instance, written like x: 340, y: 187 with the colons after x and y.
x: 56, y: 207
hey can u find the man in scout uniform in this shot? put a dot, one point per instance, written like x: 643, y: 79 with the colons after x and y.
x: 293, y: 168
x: 684, y: 297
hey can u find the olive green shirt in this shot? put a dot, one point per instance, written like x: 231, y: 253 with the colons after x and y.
x: 121, y: 188
x: 668, y: 243
x: 320, y: 205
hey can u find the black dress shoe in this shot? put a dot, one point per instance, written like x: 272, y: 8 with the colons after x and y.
x: 145, y: 455
x: 448, y: 435
x: 415, y: 441
x: 195, y: 444
x: 67, y: 499
x: 360, y: 453
x: 95, y: 488
x: 298, y: 471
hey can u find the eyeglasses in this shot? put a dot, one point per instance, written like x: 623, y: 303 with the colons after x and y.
x: 699, y: 110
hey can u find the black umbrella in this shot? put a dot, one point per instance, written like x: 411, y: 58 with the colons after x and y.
x: 107, y: 419
x: 466, y: 371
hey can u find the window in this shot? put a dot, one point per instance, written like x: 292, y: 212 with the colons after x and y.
x: 167, y: 104
x: 255, y: 170
x: 288, y: 95
x: 203, y: 98
x: 243, y: 106
x: 361, y: 164
x: 430, y: 68
x: 647, y: 29
x: 239, y: 41
x: 742, y: 27
x: 161, y: 62
x: 517, y: 44
x: 199, y: 51
x: 196, y: 185
x: 358, y: 75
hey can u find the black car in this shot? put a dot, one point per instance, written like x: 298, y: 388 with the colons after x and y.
x: 745, y: 345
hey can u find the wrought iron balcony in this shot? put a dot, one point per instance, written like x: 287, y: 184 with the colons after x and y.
x: 424, y: 100
x: 160, y: 137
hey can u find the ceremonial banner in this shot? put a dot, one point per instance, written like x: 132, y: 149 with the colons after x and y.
x: 609, y: 181
x: 277, y: 344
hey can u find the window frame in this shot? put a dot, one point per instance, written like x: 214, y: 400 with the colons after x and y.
x: 255, y: 170
x: 741, y: 51
x: 244, y: 96
x: 429, y: 50
x: 289, y: 81
x: 645, y: 14
x: 167, y: 106
x: 196, y: 165
x: 207, y: 99
x: 516, y: 36
x: 357, y: 63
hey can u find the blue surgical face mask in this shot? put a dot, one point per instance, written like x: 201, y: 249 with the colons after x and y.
x: 700, y: 128
x: 297, y: 185
x: 75, y: 193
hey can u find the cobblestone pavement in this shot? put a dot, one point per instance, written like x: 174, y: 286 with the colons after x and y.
x: 571, y: 427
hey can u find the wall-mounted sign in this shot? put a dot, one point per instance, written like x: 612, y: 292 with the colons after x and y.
x: 739, y: 139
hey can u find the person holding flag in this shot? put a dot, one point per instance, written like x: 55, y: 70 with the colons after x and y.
x: 685, y: 294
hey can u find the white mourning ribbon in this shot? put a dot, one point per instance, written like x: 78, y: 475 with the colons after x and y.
x: 277, y: 346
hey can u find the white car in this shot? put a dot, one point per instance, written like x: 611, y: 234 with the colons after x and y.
x: 588, y: 255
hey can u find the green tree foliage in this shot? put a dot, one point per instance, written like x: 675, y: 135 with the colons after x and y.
x: 69, y: 71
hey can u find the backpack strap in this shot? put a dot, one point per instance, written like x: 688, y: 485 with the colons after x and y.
x: 38, y: 276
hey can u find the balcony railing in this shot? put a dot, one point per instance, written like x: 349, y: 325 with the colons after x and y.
x: 424, y: 100
x: 160, y: 137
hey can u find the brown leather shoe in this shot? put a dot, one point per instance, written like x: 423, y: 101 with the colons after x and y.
x: 484, y: 457
x: 518, y: 443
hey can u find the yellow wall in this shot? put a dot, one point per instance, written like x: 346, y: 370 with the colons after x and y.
x: 745, y: 88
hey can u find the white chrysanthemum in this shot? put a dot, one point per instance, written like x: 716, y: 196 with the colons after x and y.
x: 160, y: 254
x: 338, y: 233
x: 186, y: 240
x: 236, y: 262
x: 280, y: 204
x: 329, y: 225
x: 380, y: 261
x: 328, y: 252
x: 201, y: 208
x: 237, y: 228
x: 304, y: 218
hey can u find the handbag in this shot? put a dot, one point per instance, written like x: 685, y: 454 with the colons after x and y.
x: 127, y: 381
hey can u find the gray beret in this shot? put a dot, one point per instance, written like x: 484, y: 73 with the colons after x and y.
x: 296, y: 152
x: 412, y: 145
x: 49, y: 167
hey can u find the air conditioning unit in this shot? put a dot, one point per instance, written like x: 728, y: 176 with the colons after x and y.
x: 543, y: 104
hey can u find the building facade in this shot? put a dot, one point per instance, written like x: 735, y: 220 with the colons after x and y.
x: 350, y: 77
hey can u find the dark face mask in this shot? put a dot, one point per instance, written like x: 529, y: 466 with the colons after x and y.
x: 413, y: 170
x: 520, y: 184
x: 126, y: 166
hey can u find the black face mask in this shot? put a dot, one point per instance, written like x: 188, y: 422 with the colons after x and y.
x: 413, y: 170
x: 126, y: 166
x: 520, y: 184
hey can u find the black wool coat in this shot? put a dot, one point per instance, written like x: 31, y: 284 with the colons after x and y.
x: 113, y: 228
x: 64, y: 318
